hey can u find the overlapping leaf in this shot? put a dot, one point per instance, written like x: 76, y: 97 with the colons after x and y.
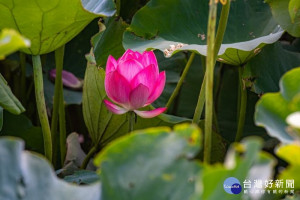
x: 182, y: 24
x: 154, y: 163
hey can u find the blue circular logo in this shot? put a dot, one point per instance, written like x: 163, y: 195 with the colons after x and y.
x: 232, y: 186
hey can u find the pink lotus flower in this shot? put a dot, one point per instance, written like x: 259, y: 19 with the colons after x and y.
x: 134, y: 82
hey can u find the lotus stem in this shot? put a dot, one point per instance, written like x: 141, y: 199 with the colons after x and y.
x: 213, y: 47
x: 200, y: 106
x: 200, y: 103
x: 180, y: 82
x: 88, y: 157
x: 219, y: 38
x: 41, y: 105
x: 210, y: 62
x: 23, y: 78
x: 222, y: 27
x: 118, y: 6
x: 242, y: 106
x: 58, y: 92
x: 131, y: 120
x: 62, y: 129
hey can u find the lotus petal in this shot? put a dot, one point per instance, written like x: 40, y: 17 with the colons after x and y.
x: 114, y: 108
x: 151, y: 113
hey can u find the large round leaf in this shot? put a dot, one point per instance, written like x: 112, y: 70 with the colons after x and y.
x: 183, y: 24
x: 287, y: 14
x: 51, y: 24
x: 273, y: 108
x: 151, y: 164
x: 28, y: 176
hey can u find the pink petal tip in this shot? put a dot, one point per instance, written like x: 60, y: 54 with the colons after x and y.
x: 151, y: 113
x: 114, y: 108
x: 111, y: 64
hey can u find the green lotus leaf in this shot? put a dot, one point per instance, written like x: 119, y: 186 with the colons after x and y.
x: 294, y: 11
x: 273, y: 108
x: 173, y: 26
x: 290, y: 153
x: 51, y: 24
x: 294, y: 197
x: 287, y: 14
x: 11, y: 41
x: 244, y: 160
x: 155, y: 163
x: 82, y: 177
x: 28, y: 176
x: 227, y: 111
x: 151, y: 164
x: 268, y: 67
x: 32, y: 135
x: 109, y: 41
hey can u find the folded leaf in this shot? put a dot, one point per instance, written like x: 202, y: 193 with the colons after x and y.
x: 8, y: 100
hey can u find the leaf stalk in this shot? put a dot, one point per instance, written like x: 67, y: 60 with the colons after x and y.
x: 181, y: 80
x: 242, y: 106
x: 41, y: 105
